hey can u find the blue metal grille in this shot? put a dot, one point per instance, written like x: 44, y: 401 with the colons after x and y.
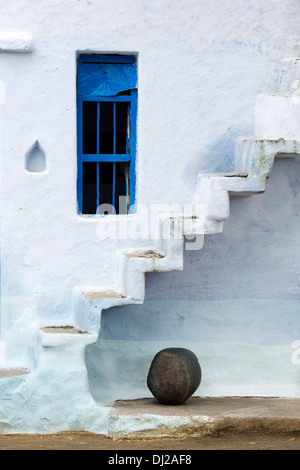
x: 106, y: 133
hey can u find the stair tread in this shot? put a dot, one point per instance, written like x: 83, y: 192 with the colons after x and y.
x: 103, y: 294
x: 12, y: 372
x: 61, y: 330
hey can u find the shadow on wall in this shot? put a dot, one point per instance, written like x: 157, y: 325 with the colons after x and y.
x: 242, y: 288
x: 220, y: 156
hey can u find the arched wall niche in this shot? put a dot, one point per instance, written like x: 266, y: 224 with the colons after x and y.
x: 35, y: 159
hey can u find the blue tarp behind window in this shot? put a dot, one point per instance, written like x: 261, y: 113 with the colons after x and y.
x: 106, y: 79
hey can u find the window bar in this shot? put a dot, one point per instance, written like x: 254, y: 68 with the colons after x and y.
x: 114, y: 127
x: 127, y: 186
x: 114, y: 163
x: 80, y: 159
x: 98, y: 165
x: 98, y: 188
x: 98, y: 127
x: 128, y: 130
x: 114, y: 188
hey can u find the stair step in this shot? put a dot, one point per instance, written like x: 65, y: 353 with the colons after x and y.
x: 61, y: 330
x: 63, y: 336
x: 144, y: 254
x: 104, y: 294
x: 12, y: 372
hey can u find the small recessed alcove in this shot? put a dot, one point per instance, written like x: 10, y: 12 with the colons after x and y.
x: 35, y: 159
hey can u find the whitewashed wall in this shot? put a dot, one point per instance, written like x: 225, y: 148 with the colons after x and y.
x: 201, y: 66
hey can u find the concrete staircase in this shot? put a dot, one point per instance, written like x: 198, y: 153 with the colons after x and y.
x: 255, y: 160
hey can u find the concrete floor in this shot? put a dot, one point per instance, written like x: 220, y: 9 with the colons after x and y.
x: 223, y: 423
x: 201, y: 416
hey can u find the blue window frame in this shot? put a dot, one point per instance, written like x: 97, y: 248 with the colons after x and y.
x: 106, y: 133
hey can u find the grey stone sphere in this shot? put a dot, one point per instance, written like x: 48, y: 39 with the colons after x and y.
x: 174, y: 375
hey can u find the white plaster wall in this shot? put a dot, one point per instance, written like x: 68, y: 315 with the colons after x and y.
x: 277, y: 116
x: 201, y: 67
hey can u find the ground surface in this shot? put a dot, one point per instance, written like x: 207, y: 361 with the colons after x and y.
x: 239, y: 423
x: 87, y: 441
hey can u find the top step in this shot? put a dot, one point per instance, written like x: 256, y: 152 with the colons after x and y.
x: 144, y: 254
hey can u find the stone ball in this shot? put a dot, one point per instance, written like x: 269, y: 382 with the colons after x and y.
x: 174, y: 375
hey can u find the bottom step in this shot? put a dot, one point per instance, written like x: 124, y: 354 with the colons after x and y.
x: 203, y: 416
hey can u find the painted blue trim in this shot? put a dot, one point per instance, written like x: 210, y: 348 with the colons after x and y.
x: 106, y: 98
x: 105, y: 157
x: 133, y: 144
x: 107, y: 59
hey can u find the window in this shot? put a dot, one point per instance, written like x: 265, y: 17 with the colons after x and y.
x: 106, y: 128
